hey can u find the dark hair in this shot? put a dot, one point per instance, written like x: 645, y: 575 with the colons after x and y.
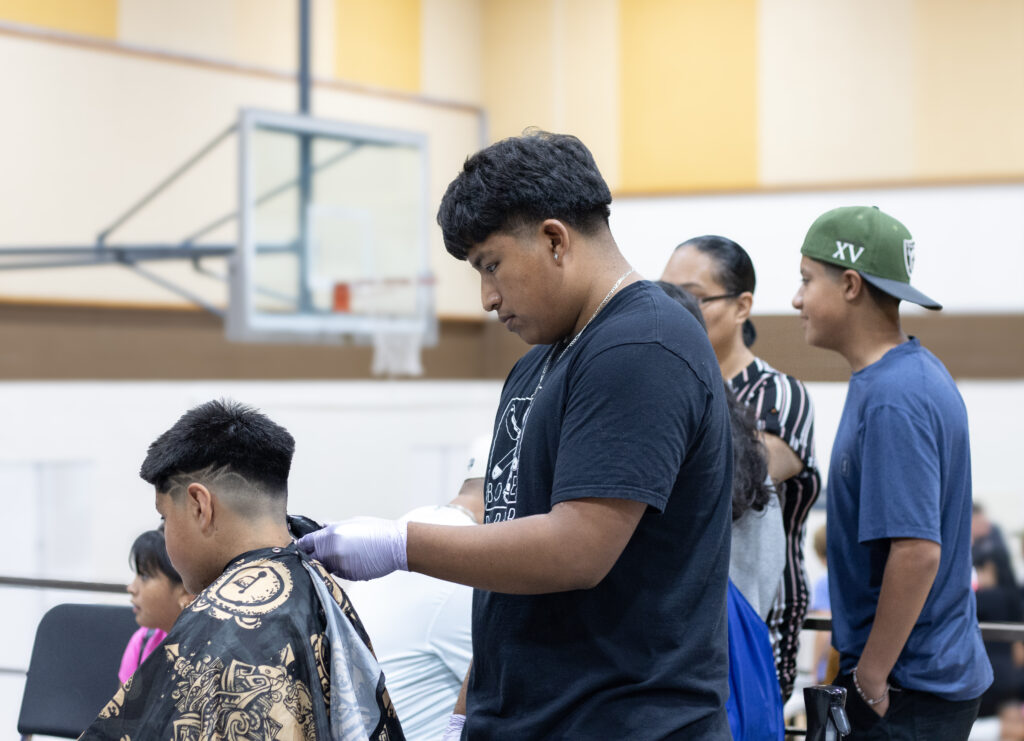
x: 750, y: 463
x: 219, y: 438
x: 521, y: 181
x: 750, y: 489
x: 735, y: 270
x: 148, y: 556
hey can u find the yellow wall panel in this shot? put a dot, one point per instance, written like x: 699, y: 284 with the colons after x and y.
x: 89, y: 17
x: 378, y: 42
x: 554, y: 64
x: 836, y: 91
x: 587, y: 103
x: 451, y: 50
x: 688, y: 82
x: 969, y: 88
x: 518, y: 59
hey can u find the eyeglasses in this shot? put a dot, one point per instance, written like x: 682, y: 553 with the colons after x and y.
x: 708, y: 299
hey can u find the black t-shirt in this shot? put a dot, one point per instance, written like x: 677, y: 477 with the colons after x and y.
x: 634, y: 410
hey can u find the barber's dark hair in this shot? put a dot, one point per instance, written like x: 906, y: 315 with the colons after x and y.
x: 521, y: 181
x: 148, y: 556
x: 219, y: 439
x: 734, y: 270
x: 750, y: 462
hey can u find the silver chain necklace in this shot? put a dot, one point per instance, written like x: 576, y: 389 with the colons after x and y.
x: 547, y: 364
x: 551, y: 358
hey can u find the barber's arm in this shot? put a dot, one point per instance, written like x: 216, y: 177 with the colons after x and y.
x: 573, y: 546
x: 909, y: 573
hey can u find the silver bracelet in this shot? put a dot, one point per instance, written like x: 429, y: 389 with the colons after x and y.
x: 865, y: 698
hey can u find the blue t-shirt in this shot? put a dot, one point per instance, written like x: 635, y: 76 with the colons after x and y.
x: 634, y: 410
x: 901, y: 468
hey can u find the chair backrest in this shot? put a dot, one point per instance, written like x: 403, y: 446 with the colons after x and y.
x: 73, y: 671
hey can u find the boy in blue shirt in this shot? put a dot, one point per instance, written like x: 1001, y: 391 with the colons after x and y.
x: 899, y: 491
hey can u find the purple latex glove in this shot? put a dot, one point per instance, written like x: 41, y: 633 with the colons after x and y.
x: 453, y: 732
x: 359, y: 549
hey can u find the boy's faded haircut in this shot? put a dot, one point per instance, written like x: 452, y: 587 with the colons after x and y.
x: 222, y: 441
x: 521, y: 181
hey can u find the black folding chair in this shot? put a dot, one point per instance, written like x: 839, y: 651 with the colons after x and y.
x: 73, y: 671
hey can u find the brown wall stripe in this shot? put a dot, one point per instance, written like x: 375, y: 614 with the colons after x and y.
x: 70, y: 342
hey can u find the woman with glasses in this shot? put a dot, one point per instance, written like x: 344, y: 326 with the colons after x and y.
x: 720, y: 274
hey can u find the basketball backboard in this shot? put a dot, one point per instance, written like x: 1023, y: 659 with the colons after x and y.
x: 333, y: 237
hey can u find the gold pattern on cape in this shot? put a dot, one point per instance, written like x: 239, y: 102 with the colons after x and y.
x: 322, y: 659
x: 113, y: 707
x: 246, y: 592
x: 240, y: 702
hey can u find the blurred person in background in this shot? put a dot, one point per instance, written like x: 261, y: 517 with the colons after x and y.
x: 987, y: 540
x: 419, y: 625
x: 158, y: 597
x: 899, y: 492
x: 720, y: 274
x: 999, y: 601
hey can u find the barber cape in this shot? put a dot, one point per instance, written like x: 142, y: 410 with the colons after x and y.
x: 271, y: 650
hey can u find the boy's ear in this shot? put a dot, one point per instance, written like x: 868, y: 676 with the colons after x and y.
x: 851, y: 284
x: 201, y: 505
x: 557, y: 239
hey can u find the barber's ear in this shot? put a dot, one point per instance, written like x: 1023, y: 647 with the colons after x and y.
x: 201, y: 505
x: 556, y: 239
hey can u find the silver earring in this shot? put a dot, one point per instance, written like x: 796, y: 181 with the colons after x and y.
x: 556, y: 255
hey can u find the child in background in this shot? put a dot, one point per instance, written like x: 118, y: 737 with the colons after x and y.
x: 158, y: 597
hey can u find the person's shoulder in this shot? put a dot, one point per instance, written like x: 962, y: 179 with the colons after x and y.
x: 910, y: 375
x: 644, y: 304
x: 761, y: 380
x: 766, y: 369
x: 645, y: 314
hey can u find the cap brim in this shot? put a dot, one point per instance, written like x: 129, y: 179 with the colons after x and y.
x: 902, y: 291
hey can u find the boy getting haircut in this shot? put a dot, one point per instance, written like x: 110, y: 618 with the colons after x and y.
x: 271, y: 648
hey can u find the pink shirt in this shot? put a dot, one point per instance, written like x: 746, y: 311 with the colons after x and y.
x: 136, y: 653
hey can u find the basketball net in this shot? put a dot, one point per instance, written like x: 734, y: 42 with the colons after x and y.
x: 397, y: 354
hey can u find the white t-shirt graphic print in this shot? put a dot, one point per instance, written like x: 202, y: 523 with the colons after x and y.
x: 502, y: 478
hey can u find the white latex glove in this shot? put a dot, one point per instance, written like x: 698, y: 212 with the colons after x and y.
x: 454, y: 730
x: 359, y: 549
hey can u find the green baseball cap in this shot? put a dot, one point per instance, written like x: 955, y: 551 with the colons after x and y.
x: 864, y: 239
